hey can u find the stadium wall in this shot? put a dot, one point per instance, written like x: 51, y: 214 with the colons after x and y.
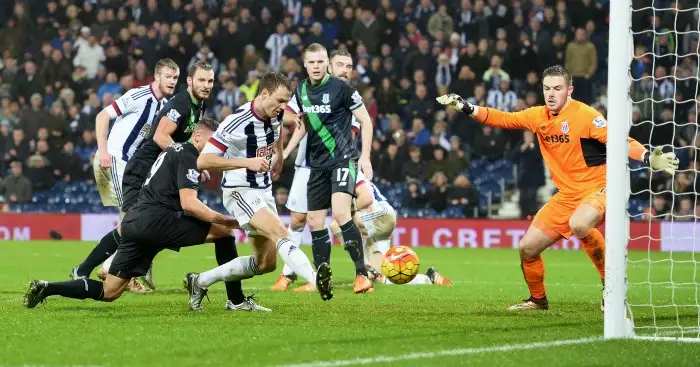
x: 441, y: 233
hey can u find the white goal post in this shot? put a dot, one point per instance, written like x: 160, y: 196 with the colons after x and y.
x: 652, y: 294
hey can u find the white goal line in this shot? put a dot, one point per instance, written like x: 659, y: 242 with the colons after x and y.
x: 446, y: 352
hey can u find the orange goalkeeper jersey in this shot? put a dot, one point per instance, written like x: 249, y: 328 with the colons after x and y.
x: 572, y: 142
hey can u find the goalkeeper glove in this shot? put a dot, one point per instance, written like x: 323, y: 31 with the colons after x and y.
x: 660, y: 161
x: 456, y: 102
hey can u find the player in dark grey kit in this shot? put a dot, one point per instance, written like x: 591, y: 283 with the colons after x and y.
x: 328, y: 105
x: 167, y: 215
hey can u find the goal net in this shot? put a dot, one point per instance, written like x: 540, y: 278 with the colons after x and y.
x: 653, y: 283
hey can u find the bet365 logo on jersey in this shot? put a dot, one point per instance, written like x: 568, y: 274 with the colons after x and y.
x: 560, y: 138
x: 324, y: 108
x: 265, y: 152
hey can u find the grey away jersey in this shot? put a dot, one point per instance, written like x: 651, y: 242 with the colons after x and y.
x: 328, y: 116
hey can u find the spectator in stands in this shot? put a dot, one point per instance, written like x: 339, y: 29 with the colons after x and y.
x: 502, y: 98
x: 462, y: 193
x: 9, y: 114
x: 68, y: 166
x: 528, y: 159
x: 659, y: 210
x: 18, y: 189
x: 492, y: 76
x: 582, y: 63
x: 684, y: 210
x: 440, y: 163
x: 415, y: 168
x: 437, y: 194
x: 489, y: 144
x: 419, y: 135
x: 89, y: 56
x: 19, y: 148
x: 110, y: 86
x: 390, y: 166
x: 415, y: 197
x: 28, y: 84
x: 457, y: 157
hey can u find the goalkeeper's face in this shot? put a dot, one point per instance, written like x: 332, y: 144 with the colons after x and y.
x: 556, y: 92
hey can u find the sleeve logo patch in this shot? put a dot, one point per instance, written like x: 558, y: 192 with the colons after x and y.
x: 193, y: 175
x: 356, y: 98
x: 599, y: 122
x: 173, y: 115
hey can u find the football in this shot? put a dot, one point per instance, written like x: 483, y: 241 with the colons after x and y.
x: 400, y: 265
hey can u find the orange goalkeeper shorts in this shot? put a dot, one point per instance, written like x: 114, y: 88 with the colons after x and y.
x: 553, y: 217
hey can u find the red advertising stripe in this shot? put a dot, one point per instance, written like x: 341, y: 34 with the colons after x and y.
x: 486, y: 233
x: 24, y: 227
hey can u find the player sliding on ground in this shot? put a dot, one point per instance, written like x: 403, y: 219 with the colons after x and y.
x: 376, y: 219
x: 328, y: 105
x: 166, y: 215
x: 253, y: 130
x: 572, y: 138
x: 340, y: 66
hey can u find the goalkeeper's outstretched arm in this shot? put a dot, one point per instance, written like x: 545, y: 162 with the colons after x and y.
x: 525, y: 119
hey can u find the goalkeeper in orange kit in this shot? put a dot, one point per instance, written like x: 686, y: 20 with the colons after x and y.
x: 572, y: 138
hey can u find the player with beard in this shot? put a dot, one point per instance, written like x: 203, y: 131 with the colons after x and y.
x: 133, y: 114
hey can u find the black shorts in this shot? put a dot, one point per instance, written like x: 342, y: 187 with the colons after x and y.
x: 324, y: 182
x: 135, y: 174
x: 145, y: 233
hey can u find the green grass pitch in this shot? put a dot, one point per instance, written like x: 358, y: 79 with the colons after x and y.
x: 466, y: 324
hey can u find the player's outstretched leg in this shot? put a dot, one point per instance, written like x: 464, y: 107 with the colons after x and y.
x: 134, y: 286
x: 341, y: 204
x: 104, y: 249
x: 531, y: 246
x: 226, y: 251
x: 106, y: 291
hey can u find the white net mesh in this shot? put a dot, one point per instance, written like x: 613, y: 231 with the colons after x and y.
x: 663, y: 279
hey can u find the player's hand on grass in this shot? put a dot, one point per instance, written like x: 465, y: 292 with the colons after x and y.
x: 456, y: 102
x: 660, y: 161
x: 105, y: 159
x: 366, y: 167
x: 205, y: 176
x: 258, y: 164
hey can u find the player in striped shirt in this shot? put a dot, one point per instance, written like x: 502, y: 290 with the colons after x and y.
x: 133, y: 114
x: 245, y: 146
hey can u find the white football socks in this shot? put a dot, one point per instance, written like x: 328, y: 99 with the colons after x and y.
x: 297, y: 235
x: 237, y: 269
x: 296, y: 259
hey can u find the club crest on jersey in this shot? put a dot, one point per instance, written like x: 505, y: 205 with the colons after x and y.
x: 173, y: 115
x: 326, y: 98
x: 565, y: 127
x: 599, y: 122
x: 193, y: 175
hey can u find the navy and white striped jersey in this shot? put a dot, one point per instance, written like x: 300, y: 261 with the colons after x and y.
x: 301, y: 160
x: 134, y: 112
x: 244, y: 134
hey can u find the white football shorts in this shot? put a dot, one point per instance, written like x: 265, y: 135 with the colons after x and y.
x: 296, y: 200
x: 109, y: 181
x: 244, y: 202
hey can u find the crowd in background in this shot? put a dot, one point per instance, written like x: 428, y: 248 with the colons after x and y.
x: 62, y: 61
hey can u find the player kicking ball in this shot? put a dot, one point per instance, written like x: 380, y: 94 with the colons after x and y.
x: 166, y: 215
x: 253, y: 130
x: 340, y: 66
x: 133, y: 114
x: 572, y: 138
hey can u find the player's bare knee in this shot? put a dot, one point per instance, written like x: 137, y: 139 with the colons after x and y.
x: 111, y: 295
x: 266, y: 262
x: 528, y: 248
x: 579, y: 227
x: 315, y: 223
